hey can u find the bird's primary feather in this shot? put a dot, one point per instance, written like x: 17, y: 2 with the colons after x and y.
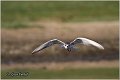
x: 86, y: 41
x: 47, y: 44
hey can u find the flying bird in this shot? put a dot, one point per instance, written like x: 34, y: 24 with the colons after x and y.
x: 69, y: 46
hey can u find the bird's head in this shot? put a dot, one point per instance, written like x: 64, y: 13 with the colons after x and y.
x: 66, y: 46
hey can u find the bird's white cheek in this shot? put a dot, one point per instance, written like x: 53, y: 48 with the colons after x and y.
x: 65, y: 47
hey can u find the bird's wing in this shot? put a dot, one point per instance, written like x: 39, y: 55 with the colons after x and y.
x: 86, y: 41
x: 47, y: 44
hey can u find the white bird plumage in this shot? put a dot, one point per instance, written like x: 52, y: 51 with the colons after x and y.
x: 69, y: 47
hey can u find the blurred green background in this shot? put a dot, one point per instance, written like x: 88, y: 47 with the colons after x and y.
x: 17, y: 13
x: 27, y: 24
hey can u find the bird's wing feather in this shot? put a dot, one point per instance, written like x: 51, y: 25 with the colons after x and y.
x: 86, y: 41
x: 47, y: 44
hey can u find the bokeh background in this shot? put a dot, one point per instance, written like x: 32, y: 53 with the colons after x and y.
x: 27, y: 24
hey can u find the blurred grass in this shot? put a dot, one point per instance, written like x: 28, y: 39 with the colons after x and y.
x: 24, y: 11
x: 15, y: 25
x: 90, y: 73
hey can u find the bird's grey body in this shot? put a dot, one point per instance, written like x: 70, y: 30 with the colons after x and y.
x: 69, y: 46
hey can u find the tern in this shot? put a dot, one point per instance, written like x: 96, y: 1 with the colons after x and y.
x: 69, y: 46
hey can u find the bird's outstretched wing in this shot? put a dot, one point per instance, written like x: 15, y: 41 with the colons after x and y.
x: 47, y: 44
x: 86, y: 41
